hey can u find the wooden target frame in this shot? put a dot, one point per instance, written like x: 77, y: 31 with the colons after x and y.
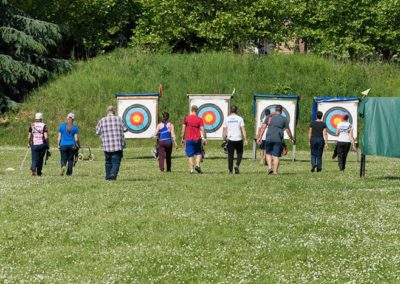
x: 139, y: 113
x: 290, y: 109
x: 214, y: 109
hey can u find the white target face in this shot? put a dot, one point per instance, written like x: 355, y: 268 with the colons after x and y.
x: 214, y: 109
x: 139, y: 116
x: 288, y: 111
x: 333, y: 114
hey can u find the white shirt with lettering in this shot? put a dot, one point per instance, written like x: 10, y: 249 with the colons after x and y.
x: 234, y: 124
x: 344, y: 128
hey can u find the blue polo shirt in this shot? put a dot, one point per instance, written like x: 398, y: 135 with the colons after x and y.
x: 67, y: 139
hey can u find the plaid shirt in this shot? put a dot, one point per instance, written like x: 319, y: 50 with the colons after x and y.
x: 111, y: 131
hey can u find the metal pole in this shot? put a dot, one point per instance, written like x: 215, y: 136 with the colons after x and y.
x: 294, y: 153
x: 362, y: 166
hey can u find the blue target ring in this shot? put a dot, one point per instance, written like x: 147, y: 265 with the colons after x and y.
x: 272, y: 108
x: 137, y: 118
x: 333, y: 117
x: 212, y: 117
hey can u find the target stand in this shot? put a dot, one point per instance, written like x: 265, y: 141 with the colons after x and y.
x: 333, y: 109
x: 138, y: 113
x: 290, y: 110
x: 213, y: 109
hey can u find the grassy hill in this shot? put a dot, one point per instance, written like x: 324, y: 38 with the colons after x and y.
x: 91, y: 86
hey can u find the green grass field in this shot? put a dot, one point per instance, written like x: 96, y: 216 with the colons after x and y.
x: 92, y: 85
x: 148, y: 226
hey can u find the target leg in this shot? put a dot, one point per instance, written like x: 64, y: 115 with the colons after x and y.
x: 254, y: 149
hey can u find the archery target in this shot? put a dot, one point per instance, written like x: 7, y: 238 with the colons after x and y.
x: 333, y: 114
x: 214, y: 109
x: 289, y: 108
x: 212, y: 117
x: 139, y: 116
x: 272, y: 108
x: 333, y: 117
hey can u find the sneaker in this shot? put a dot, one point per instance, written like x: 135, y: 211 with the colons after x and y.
x: 313, y: 169
x: 63, y: 170
x: 34, y: 173
x: 191, y: 171
x: 270, y: 171
x: 197, y: 168
x: 236, y: 170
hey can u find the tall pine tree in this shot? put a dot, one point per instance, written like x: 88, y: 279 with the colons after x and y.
x: 26, y: 59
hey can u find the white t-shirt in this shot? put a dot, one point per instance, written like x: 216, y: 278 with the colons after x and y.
x: 344, y: 128
x: 265, y: 131
x: 233, y: 124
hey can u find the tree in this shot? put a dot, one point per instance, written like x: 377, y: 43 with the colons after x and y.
x: 25, y: 56
x: 90, y: 27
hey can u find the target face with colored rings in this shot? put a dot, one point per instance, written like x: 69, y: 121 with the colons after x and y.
x: 212, y: 117
x: 272, y: 108
x: 137, y: 118
x: 333, y: 117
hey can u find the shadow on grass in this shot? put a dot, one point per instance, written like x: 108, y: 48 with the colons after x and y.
x: 389, y: 178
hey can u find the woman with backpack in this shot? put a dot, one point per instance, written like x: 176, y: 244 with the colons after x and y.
x: 166, y: 137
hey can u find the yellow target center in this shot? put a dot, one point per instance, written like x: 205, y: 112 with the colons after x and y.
x: 136, y: 118
x: 208, y: 117
x: 337, y: 121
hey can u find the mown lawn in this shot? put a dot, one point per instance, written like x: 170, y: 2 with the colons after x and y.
x: 152, y: 227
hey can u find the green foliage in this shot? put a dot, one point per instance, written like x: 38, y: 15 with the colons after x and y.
x: 90, y: 26
x: 91, y: 87
x: 149, y: 227
x: 25, y: 60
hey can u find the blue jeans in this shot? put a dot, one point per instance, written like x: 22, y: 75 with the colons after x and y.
x: 317, y: 149
x: 67, y: 156
x: 38, y: 152
x: 113, y: 161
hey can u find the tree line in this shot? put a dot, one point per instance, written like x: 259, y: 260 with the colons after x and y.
x: 359, y: 30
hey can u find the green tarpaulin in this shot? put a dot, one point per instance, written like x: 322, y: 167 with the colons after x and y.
x: 381, y: 132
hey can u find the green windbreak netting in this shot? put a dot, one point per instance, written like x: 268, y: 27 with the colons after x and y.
x: 381, y: 133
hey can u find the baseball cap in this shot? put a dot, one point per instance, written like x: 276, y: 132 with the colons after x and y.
x: 71, y: 115
x: 39, y: 115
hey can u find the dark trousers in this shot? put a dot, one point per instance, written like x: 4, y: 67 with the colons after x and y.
x: 317, y: 149
x: 67, y: 157
x: 113, y: 161
x: 38, y: 152
x: 232, y: 147
x: 343, y: 149
x: 164, y: 153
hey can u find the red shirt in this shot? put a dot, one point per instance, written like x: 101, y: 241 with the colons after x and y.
x: 193, y: 124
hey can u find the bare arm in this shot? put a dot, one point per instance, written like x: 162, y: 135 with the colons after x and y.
x: 203, y: 132
x: 224, y: 133
x: 58, y: 139
x: 157, y: 130
x: 173, y: 136
x: 183, y: 133
x: 244, y: 135
x: 289, y: 133
x: 261, y: 132
x: 309, y: 135
x: 76, y: 137
x: 353, y: 143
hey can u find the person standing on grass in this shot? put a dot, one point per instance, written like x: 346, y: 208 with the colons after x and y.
x: 344, y: 130
x: 68, y: 143
x: 263, y: 160
x: 317, y: 139
x: 166, y: 136
x: 111, y: 131
x: 276, y: 124
x: 192, y: 130
x: 38, y: 141
x: 234, y: 133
